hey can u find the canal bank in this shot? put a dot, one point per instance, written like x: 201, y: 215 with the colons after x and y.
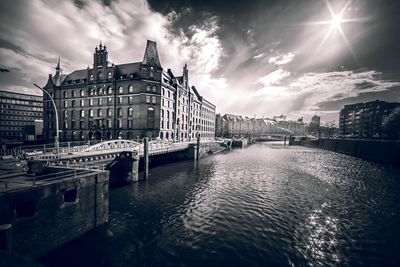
x: 382, y: 151
x: 266, y: 205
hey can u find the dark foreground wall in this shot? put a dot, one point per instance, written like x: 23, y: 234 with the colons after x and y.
x: 47, y: 216
x: 382, y: 151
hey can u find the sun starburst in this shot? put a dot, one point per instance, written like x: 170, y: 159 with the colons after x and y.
x: 335, y: 25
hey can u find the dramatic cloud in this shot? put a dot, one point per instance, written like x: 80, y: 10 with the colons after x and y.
x: 282, y: 59
x: 261, y: 57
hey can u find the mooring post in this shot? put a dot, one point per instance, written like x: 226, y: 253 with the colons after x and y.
x: 198, y: 147
x: 146, y: 158
x: 6, y: 237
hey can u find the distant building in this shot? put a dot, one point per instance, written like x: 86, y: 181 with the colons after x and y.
x: 296, y: 127
x: 18, y: 113
x: 364, y: 120
x: 127, y: 101
x: 316, y: 120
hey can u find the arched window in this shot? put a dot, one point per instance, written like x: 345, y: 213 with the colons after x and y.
x: 109, y: 112
x: 110, y: 90
x: 82, y: 93
x: 100, y: 91
x: 120, y: 90
x: 100, y: 75
x: 73, y: 94
x: 82, y: 113
x: 65, y: 94
x: 99, y: 113
x: 65, y: 113
x: 119, y: 112
x: 130, y: 88
x: 148, y: 88
x: 90, y: 112
x: 154, y: 88
x: 130, y: 111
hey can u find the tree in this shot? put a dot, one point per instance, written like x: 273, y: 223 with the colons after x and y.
x: 391, y: 125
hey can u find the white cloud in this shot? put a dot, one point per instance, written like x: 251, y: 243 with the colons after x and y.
x: 124, y: 26
x: 281, y: 59
x: 273, y: 77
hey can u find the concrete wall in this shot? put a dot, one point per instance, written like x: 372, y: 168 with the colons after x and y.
x: 48, y: 216
x: 382, y: 151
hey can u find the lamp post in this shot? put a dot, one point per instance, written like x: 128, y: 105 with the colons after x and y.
x: 56, y: 141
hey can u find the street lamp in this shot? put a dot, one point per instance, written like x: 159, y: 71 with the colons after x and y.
x: 56, y: 143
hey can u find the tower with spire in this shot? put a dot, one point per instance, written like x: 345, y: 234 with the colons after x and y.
x: 100, y: 57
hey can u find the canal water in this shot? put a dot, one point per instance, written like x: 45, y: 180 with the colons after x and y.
x: 261, y: 206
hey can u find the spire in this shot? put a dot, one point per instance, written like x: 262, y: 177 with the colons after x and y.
x: 58, y: 68
x: 151, y: 54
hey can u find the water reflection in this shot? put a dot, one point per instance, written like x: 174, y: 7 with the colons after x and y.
x: 261, y: 206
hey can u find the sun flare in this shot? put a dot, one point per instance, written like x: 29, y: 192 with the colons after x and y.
x: 336, y: 21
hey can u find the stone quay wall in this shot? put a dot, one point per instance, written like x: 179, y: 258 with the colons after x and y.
x: 382, y: 151
x: 49, y: 215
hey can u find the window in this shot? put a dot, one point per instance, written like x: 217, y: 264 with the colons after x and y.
x: 91, y: 92
x: 65, y: 104
x: 73, y: 103
x: 162, y: 91
x: 90, y: 112
x: 82, y: 93
x: 65, y: 94
x: 109, y: 101
x: 130, y: 123
x: 91, y: 102
x: 130, y: 111
x: 154, y: 88
x: 119, y: 112
x: 99, y: 113
x: 91, y: 77
x: 109, y: 75
x: 109, y: 124
x: 65, y: 125
x: 153, y: 99
x: 148, y: 88
x: 109, y: 112
x: 150, y: 112
x: 100, y: 101
x: 73, y: 94
x: 162, y: 113
x: 130, y: 100
x: 120, y: 100
x: 169, y: 94
x: 130, y: 88
x: 120, y: 90
x: 82, y: 103
x: 81, y: 124
x: 73, y: 114
x: 110, y: 90
x: 167, y: 114
x: 151, y: 73
x: 82, y: 113
x: 100, y: 91
x: 119, y: 123
x: 147, y: 99
x: 65, y: 114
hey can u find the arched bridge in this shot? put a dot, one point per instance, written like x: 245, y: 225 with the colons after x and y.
x: 113, y: 147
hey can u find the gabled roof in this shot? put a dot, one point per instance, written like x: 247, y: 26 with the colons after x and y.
x: 76, y: 75
x: 151, y: 55
x: 128, y: 68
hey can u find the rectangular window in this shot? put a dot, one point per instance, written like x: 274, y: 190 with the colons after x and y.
x: 100, y: 101
x: 154, y: 99
x: 82, y: 102
x: 119, y: 100
x: 109, y: 123
x: 147, y: 99
x: 119, y: 123
x: 72, y: 124
x: 130, y: 100
x: 73, y: 103
x: 81, y: 124
x: 91, y: 102
x: 65, y: 104
x: 109, y: 101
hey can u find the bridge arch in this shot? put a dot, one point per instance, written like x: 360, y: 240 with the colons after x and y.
x: 113, y: 144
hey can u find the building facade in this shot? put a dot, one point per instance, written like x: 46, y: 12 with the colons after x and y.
x: 364, y: 120
x: 128, y: 101
x: 18, y: 112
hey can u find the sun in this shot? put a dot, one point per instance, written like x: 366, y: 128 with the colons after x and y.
x: 336, y: 21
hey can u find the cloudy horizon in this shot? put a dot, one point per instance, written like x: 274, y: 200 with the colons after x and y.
x: 261, y: 59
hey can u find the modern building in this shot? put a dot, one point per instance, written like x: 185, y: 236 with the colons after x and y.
x: 18, y: 112
x: 127, y: 101
x: 364, y: 120
x: 316, y: 120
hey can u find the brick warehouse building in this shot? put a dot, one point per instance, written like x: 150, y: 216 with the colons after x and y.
x: 127, y: 101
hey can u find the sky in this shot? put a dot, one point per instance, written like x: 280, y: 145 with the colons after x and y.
x: 253, y: 58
